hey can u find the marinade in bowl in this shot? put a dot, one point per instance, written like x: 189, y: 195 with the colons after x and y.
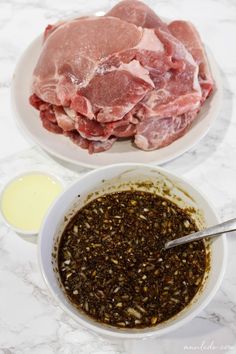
x: 126, y: 320
x: 113, y: 265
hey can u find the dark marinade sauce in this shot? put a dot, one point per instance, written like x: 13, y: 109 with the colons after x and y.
x: 114, y: 268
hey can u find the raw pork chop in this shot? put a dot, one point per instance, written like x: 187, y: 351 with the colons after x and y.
x: 126, y: 74
x: 74, y: 68
x: 176, y: 91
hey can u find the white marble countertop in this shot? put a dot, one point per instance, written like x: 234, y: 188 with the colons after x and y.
x: 30, y: 320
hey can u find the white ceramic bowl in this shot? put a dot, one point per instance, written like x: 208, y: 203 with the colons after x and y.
x: 17, y: 177
x: 110, y: 179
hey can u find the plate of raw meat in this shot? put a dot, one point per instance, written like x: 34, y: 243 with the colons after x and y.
x: 122, y: 87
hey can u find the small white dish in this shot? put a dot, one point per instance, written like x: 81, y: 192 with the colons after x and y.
x: 105, y: 180
x: 60, y: 146
x: 13, y: 196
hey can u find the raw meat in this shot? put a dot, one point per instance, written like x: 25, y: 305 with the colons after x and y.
x: 155, y: 133
x: 74, y: 69
x: 136, y: 12
x: 176, y: 91
x: 92, y: 146
x: 96, y: 131
x: 64, y: 121
x: 189, y: 36
x: 124, y: 75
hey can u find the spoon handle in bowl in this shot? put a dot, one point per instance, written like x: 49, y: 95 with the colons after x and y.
x: 227, y: 226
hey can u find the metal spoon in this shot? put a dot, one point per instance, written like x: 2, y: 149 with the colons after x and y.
x: 213, y: 231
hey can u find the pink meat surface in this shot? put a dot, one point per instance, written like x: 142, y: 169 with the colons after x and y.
x: 124, y: 75
x: 155, y: 133
x: 91, y: 146
x: 188, y: 35
x: 176, y: 91
x: 136, y: 12
x: 77, y: 69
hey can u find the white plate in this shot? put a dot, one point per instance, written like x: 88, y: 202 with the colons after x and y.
x: 122, y: 151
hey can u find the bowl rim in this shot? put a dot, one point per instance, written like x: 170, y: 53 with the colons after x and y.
x: 16, y: 176
x: 138, y: 335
